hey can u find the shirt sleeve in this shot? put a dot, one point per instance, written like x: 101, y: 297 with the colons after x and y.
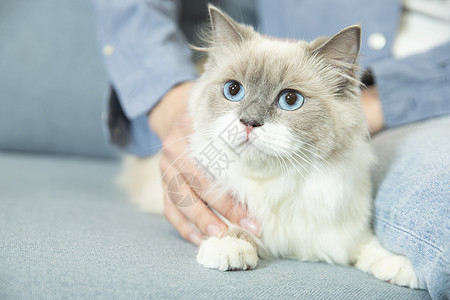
x: 146, y: 55
x: 414, y: 88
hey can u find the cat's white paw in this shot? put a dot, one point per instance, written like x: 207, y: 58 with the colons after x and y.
x: 227, y: 253
x: 395, y: 269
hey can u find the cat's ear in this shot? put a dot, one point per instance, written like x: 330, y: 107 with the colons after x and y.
x: 224, y: 28
x: 343, y: 47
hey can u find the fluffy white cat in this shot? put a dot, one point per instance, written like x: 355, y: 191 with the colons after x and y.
x: 293, y: 142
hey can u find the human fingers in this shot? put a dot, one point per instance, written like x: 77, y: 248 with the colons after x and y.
x: 176, y: 152
x: 235, y: 213
x: 175, y: 149
x: 184, y: 227
x: 178, y: 186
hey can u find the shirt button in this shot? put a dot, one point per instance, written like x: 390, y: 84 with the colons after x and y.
x: 376, y: 41
x: 108, y: 50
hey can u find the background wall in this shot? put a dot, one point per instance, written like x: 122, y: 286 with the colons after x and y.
x: 52, y: 82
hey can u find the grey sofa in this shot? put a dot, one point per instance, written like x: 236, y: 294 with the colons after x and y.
x: 66, y: 230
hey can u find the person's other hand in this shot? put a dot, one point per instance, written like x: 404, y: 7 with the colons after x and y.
x: 373, y: 109
x: 171, y: 121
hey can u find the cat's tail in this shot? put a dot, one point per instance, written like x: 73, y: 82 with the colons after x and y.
x: 141, y: 179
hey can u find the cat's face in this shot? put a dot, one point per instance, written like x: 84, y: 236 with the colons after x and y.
x: 263, y: 100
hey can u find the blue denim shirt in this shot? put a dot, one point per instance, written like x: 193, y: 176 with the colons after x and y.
x: 146, y: 54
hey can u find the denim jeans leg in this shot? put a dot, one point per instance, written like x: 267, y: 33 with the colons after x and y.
x: 412, y: 199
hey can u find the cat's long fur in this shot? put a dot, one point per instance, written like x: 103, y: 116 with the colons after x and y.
x: 304, y: 174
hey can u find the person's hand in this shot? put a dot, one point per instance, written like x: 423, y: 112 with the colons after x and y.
x: 373, y: 109
x: 171, y: 121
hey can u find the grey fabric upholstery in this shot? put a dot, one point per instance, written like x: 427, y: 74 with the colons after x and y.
x: 66, y: 231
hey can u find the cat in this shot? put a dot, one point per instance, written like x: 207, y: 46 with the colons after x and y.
x: 287, y: 119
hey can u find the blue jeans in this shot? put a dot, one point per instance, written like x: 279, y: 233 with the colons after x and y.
x: 412, y: 199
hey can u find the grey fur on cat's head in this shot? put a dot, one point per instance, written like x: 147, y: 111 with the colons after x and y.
x: 324, y: 72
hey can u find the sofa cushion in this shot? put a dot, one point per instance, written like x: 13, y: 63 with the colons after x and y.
x: 66, y: 231
x: 52, y: 80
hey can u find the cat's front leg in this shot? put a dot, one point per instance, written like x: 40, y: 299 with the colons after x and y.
x: 235, y: 251
x: 384, y: 265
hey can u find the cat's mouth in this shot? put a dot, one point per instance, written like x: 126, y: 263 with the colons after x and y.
x: 247, y: 141
x: 237, y: 135
x: 251, y: 147
x: 243, y: 137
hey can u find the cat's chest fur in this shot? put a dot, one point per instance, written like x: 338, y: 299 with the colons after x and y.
x: 318, y: 215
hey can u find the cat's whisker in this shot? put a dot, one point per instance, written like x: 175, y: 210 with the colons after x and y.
x: 282, y: 160
x: 318, y: 156
x: 289, y: 157
x: 300, y: 164
x: 318, y: 149
x: 306, y: 156
x: 303, y: 156
x: 307, y: 161
x: 277, y: 156
x: 321, y: 158
x: 278, y: 162
x: 298, y: 171
x: 313, y: 146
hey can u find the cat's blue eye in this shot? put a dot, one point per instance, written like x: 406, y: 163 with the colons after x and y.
x: 233, y: 91
x: 290, y: 100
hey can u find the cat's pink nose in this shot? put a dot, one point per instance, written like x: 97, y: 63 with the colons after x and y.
x: 250, y: 124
